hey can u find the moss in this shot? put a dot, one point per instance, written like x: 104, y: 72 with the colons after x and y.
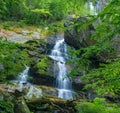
x: 6, y: 107
x: 12, y: 58
x: 99, y: 105
x: 43, y: 65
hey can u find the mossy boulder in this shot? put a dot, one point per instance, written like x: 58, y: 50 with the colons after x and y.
x: 50, y: 104
x: 42, y: 71
x: 35, y: 49
x: 48, y: 90
x: 21, y: 106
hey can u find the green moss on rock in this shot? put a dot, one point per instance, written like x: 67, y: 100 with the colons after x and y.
x: 6, y: 107
x: 12, y: 59
x: 42, y: 71
x: 43, y: 65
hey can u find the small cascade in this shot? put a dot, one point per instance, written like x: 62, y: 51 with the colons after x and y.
x: 22, y: 78
x: 60, y: 55
x: 23, y: 83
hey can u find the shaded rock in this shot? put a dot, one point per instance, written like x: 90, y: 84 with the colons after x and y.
x: 77, y: 83
x: 19, y: 93
x: 42, y: 71
x: 77, y: 37
x: 50, y: 43
x: 48, y: 90
x: 50, y: 104
x: 21, y: 106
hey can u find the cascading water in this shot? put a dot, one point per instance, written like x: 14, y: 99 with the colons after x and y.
x: 22, y: 78
x: 32, y: 90
x: 60, y: 55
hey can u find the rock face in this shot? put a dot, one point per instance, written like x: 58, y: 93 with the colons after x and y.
x: 82, y: 37
x: 35, y: 48
x: 77, y: 83
x: 77, y: 37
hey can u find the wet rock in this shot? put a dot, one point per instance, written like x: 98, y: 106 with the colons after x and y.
x: 48, y: 90
x: 33, y: 93
x: 50, y: 43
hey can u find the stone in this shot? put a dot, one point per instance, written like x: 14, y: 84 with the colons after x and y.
x: 77, y: 83
x: 21, y: 106
x: 2, y: 67
x: 42, y: 71
x: 50, y: 43
x: 78, y: 37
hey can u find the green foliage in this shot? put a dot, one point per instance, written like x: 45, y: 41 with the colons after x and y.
x: 12, y: 9
x: 97, y: 106
x: 105, y: 79
x: 35, y: 11
x: 35, y: 16
x: 6, y: 107
x: 12, y: 59
x: 43, y: 65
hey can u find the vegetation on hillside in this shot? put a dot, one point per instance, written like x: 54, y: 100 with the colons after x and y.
x: 104, y: 79
x: 12, y: 60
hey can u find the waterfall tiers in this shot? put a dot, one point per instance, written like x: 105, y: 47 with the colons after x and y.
x: 60, y: 54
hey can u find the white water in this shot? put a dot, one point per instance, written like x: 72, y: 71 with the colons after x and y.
x: 22, y: 78
x: 63, y: 83
x: 23, y: 83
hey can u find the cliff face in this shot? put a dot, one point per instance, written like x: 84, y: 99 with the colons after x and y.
x: 81, y: 37
x: 76, y: 37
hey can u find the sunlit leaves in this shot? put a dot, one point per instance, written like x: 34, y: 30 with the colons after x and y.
x: 106, y: 79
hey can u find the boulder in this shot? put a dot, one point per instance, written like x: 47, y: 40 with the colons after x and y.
x: 21, y: 106
x: 76, y: 37
x: 77, y: 83
x: 48, y: 90
x: 52, y: 104
x: 50, y: 43
x: 42, y: 71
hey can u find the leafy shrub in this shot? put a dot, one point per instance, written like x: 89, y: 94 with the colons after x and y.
x: 105, y: 80
x: 6, y: 107
x: 12, y: 59
x: 97, y: 106
x: 35, y: 16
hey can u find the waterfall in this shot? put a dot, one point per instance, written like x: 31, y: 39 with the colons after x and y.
x: 22, y: 78
x: 60, y: 55
x: 97, y: 6
x: 23, y: 83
